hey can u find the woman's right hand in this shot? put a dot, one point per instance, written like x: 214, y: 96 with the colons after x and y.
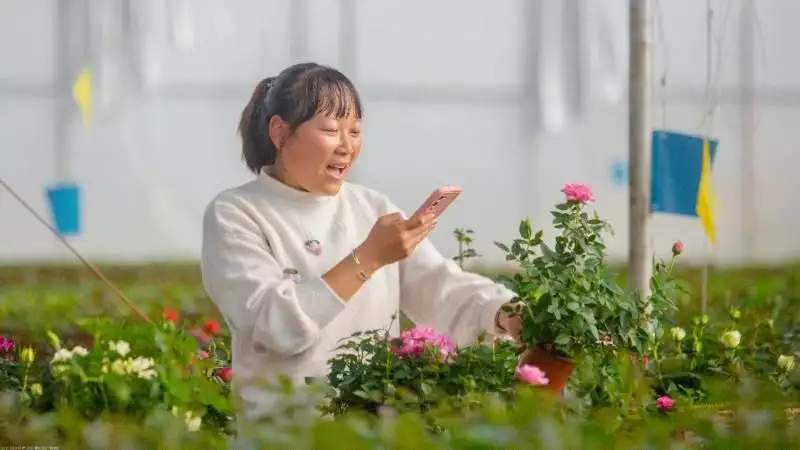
x: 393, y: 239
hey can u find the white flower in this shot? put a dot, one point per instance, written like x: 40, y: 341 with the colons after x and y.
x: 62, y: 355
x: 120, y: 367
x: 678, y: 333
x: 786, y: 362
x: 121, y: 347
x: 192, y: 422
x: 140, y: 364
x: 79, y: 350
x: 731, y: 339
x: 148, y: 374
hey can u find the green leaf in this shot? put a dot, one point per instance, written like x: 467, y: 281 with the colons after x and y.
x: 502, y: 246
x: 525, y: 229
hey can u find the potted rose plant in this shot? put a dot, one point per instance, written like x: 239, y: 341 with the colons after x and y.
x: 567, y: 298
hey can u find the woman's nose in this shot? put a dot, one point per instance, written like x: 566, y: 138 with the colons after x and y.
x: 345, y: 145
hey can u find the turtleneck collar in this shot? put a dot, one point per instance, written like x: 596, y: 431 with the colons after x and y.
x: 288, y: 194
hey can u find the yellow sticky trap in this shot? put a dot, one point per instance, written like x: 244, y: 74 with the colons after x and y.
x: 82, y: 93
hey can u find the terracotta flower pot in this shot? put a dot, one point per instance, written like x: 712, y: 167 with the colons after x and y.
x: 557, y: 368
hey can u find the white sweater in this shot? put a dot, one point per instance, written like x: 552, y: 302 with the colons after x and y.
x: 259, y: 268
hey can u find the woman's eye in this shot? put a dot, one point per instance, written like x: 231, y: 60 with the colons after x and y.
x: 355, y: 133
x: 330, y: 130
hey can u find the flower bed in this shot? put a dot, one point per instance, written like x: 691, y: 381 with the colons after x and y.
x: 643, y: 372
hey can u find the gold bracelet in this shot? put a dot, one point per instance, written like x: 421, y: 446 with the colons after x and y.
x: 361, y: 275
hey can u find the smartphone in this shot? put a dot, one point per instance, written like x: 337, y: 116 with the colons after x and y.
x: 437, y: 202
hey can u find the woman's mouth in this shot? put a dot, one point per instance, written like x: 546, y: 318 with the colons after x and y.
x: 336, y: 170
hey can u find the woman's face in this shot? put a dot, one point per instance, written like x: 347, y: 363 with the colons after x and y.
x: 319, y: 154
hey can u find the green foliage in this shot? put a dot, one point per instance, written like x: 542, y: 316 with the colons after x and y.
x: 465, y: 251
x: 370, y: 374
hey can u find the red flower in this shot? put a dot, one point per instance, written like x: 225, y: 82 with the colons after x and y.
x: 201, y: 335
x: 225, y: 374
x: 203, y: 354
x: 211, y: 327
x: 171, y: 315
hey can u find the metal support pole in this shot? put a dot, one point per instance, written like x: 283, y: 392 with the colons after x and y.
x: 639, y: 97
x: 747, y: 128
x: 710, y: 112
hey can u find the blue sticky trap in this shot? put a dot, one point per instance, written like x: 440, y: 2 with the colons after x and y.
x: 619, y: 173
x: 676, y: 166
x: 65, y: 208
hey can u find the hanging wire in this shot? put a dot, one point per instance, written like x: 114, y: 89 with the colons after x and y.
x: 83, y: 260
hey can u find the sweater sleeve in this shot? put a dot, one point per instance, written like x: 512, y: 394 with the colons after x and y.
x: 435, y: 292
x: 246, y: 283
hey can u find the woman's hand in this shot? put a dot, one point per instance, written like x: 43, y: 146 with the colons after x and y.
x: 393, y: 239
x: 508, y: 325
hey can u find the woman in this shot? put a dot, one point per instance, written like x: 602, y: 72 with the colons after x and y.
x: 298, y: 259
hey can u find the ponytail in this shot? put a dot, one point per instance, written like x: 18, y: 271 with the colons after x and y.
x: 258, y: 150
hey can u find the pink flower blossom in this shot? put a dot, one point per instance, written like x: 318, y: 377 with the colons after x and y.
x: 6, y: 344
x: 532, y: 375
x: 677, y: 248
x: 578, y: 192
x: 665, y: 403
x: 415, y: 341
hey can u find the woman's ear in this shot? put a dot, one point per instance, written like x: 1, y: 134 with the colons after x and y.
x: 277, y: 131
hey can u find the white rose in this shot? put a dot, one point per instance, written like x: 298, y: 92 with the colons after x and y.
x: 192, y: 422
x: 62, y: 355
x: 731, y: 339
x: 123, y: 348
x: 786, y: 362
x: 140, y: 363
x: 678, y: 333
x: 120, y: 367
x: 147, y: 374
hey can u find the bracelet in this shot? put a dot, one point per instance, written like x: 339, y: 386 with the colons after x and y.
x: 361, y: 275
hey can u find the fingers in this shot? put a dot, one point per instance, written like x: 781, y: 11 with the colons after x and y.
x: 420, y: 234
x: 391, y: 218
x: 416, y: 223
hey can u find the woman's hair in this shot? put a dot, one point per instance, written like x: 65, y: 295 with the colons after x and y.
x: 296, y: 95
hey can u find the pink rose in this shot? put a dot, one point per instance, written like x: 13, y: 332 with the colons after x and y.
x: 6, y: 344
x: 677, y: 248
x: 665, y: 403
x: 416, y: 340
x: 532, y: 375
x: 578, y: 192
